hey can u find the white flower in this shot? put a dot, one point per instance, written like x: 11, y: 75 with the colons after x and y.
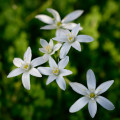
x: 56, y: 72
x: 71, y: 39
x: 26, y: 67
x: 48, y: 48
x: 91, y: 95
x: 56, y: 22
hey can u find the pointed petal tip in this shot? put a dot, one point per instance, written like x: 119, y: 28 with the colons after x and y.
x: 8, y: 76
x: 70, y: 111
x: 47, y: 83
x: 36, y: 16
x: 27, y: 88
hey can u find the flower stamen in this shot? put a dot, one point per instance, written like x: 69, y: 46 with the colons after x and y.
x: 48, y: 48
x: 92, y: 95
x: 55, y: 71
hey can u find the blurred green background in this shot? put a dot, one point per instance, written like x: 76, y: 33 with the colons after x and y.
x: 19, y: 29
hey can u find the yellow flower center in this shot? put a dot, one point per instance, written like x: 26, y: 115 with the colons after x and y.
x: 92, y: 95
x: 48, y: 48
x: 58, y: 23
x: 70, y: 37
x: 55, y: 71
x: 26, y: 66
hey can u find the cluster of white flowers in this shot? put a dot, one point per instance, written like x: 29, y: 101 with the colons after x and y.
x: 66, y: 39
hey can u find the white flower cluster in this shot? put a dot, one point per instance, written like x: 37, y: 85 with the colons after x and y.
x: 66, y: 39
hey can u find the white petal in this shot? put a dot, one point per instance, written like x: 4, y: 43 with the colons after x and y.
x: 42, y: 50
x: 28, y: 55
x: 60, y: 39
x: 79, y: 88
x: 26, y: 80
x: 49, y: 27
x: 105, y: 103
x: 61, y: 82
x: 62, y: 64
x: 18, y: 62
x: 57, y: 46
x: 64, y: 50
x: 35, y: 72
x: 72, y: 16
x: 52, y: 63
x: 51, y: 43
x: 70, y: 26
x: 45, y: 19
x: 75, y: 30
x: 43, y: 42
x: 45, y: 70
x: 91, y: 81
x: 61, y: 32
x: 64, y: 72
x: 15, y: 72
x: 104, y: 87
x: 84, y: 38
x: 50, y: 79
x: 38, y: 61
x: 79, y: 104
x: 76, y: 45
x: 92, y: 107
x: 54, y: 13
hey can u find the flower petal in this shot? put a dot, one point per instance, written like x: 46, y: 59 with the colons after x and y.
x: 105, y: 103
x: 76, y: 45
x: 45, y: 70
x: 72, y: 16
x: 70, y: 26
x: 61, y: 82
x: 45, y: 19
x: 48, y: 27
x: 84, y: 38
x: 79, y: 104
x: 52, y: 63
x: 51, y: 43
x: 61, y: 32
x: 50, y: 79
x: 79, y: 88
x: 75, y: 30
x: 60, y: 39
x: 28, y: 55
x: 57, y: 46
x: 91, y: 81
x: 92, y: 107
x: 54, y: 13
x: 64, y: 50
x: 35, y: 72
x: 26, y: 80
x: 42, y: 50
x: 103, y: 87
x: 39, y: 60
x: 18, y: 62
x: 64, y: 72
x: 15, y: 72
x: 43, y: 42
x: 62, y: 64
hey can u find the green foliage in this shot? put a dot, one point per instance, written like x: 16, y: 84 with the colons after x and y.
x: 19, y: 29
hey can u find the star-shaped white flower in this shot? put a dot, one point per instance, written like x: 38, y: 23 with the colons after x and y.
x: 26, y: 67
x: 56, y: 72
x: 92, y: 95
x: 48, y: 48
x: 56, y: 22
x: 70, y: 39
